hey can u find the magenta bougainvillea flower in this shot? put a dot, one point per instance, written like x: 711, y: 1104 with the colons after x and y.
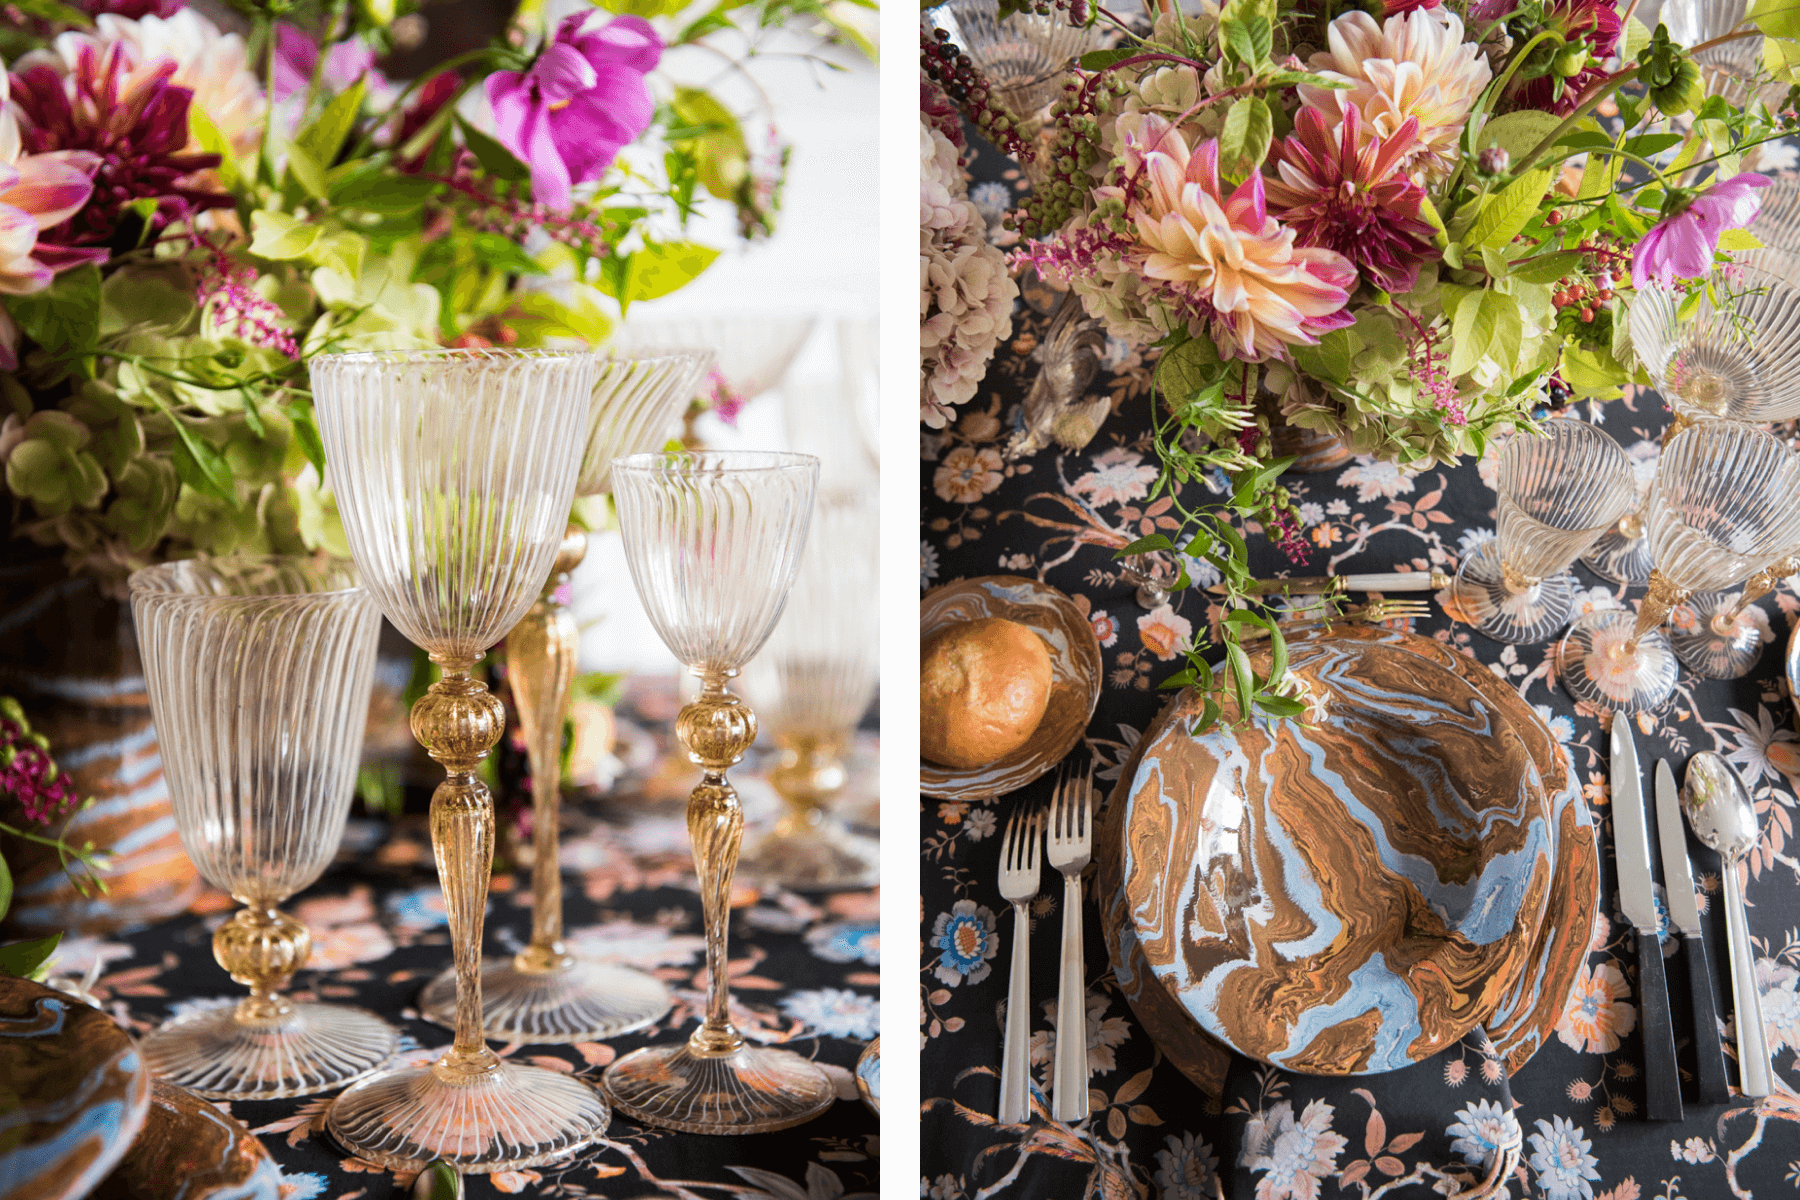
x: 134, y: 136
x: 1682, y: 246
x: 583, y: 99
x: 27, y: 772
x: 1336, y: 189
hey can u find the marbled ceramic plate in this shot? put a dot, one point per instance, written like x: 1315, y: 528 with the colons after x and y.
x: 1350, y: 894
x: 73, y: 1093
x: 189, y: 1150
x: 1074, y: 677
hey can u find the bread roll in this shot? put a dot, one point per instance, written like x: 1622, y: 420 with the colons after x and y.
x: 983, y: 688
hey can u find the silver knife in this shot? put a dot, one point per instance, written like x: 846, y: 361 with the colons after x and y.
x: 1678, y: 882
x: 1637, y: 896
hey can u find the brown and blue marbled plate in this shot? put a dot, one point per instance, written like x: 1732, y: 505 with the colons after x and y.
x: 1353, y: 893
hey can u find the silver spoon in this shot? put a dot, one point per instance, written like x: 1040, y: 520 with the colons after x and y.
x: 1720, y: 813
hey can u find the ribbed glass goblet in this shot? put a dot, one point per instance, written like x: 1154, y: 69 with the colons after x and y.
x: 714, y: 542
x: 259, y: 671
x: 1722, y: 508
x: 1737, y: 356
x: 544, y: 993
x: 1023, y: 56
x: 1557, y: 494
x: 1777, y: 223
x: 1733, y: 70
x: 454, y: 471
x: 1621, y: 553
x: 810, y: 685
x: 753, y: 350
x: 1713, y: 634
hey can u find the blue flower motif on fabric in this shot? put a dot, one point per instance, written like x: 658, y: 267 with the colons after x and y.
x: 966, y: 942
x: 1480, y: 1130
x: 1559, y: 1155
x: 846, y: 941
x: 304, y: 1185
x: 835, y: 1012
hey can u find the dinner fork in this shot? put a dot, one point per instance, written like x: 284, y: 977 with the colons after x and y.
x: 1374, y: 612
x: 1019, y: 871
x: 1070, y: 846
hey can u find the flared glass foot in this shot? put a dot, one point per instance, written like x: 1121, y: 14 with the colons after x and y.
x: 509, y: 1117
x: 1703, y: 649
x: 1619, y: 558
x: 314, y: 1048
x: 754, y: 1089
x: 588, y: 1002
x: 817, y: 855
x: 1523, y: 617
x: 1594, y: 666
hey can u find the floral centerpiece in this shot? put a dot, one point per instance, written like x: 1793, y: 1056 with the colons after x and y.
x: 1407, y: 226
x: 187, y: 214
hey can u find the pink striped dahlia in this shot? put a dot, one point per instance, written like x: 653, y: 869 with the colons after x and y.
x: 1335, y: 189
x: 1231, y: 269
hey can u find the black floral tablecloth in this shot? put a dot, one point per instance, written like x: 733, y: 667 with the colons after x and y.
x: 1578, y: 1104
x: 804, y: 974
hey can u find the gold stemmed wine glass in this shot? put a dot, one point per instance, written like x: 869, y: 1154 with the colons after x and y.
x: 259, y: 671
x: 1721, y: 509
x: 1557, y: 494
x: 1711, y: 634
x: 454, y: 471
x: 810, y: 685
x: 544, y: 993
x: 714, y: 541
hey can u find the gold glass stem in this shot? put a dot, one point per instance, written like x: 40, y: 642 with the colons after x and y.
x: 262, y: 947
x: 1663, y: 596
x: 1516, y: 582
x: 458, y: 721
x: 810, y: 772
x: 716, y: 729
x: 1755, y: 588
x: 541, y: 654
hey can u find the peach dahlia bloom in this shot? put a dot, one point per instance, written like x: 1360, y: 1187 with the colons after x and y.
x: 1227, y: 262
x: 1414, y: 66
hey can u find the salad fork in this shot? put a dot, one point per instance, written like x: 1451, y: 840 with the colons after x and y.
x: 1020, y: 868
x: 1071, y: 845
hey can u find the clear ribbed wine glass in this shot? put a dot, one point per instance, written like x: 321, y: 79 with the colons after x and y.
x: 1713, y: 634
x: 1621, y: 553
x: 1733, y: 70
x: 454, y: 471
x: 1557, y: 494
x: 1777, y: 223
x: 810, y: 686
x: 1023, y: 57
x: 1721, y: 509
x: 714, y: 541
x: 259, y: 671
x: 1734, y: 353
x: 544, y: 993
x: 753, y: 352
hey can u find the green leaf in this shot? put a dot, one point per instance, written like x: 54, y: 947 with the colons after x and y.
x: 494, y: 158
x: 64, y: 318
x: 1776, y: 18
x: 656, y: 270
x: 1278, y: 653
x: 279, y: 236
x: 6, y: 886
x: 26, y: 959
x: 197, y: 462
x: 1547, y: 268
x: 1487, y: 323
x: 325, y: 136
x: 1739, y: 239
x: 1242, y: 678
x: 1247, y: 31
x: 307, y: 171
x: 1518, y: 133
x: 1186, y: 370
x: 1781, y: 59
x: 1095, y: 60
x: 717, y: 140
x: 1509, y: 211
x: 1280, y: 706
x: 203, y: 131
x: 1209, y: 715
x: 1145, y: 545
x: 306, y: 432
x: 380, y: 191
x: 1244, y: 139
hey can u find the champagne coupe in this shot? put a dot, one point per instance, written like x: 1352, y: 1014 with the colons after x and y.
x: 1022, y: 56
x: 714, y: 542
x: 754, y: 350
x: 1557, y: 494
x: 1721, y: 509
x: 454, y: 471
x: 259, y: 672
x: 811, y: 684
x: 544, y: 993
x: 1620, y: 553
x: 1711, y: 634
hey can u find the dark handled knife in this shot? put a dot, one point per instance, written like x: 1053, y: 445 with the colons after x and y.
x: 1684, y: 913
x: 1637, y: 896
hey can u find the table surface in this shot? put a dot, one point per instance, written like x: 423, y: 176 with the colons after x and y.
x: 1579, y: 1102
x: 804, y: 974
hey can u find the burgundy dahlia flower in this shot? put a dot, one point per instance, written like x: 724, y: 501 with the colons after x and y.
x: 136, y: 136
x: 1592, y: 25
x: 1356, y: 201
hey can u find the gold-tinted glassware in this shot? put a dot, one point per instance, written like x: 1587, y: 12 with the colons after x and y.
x: 810, y: 685
x: 1557, y: 493
x: 1713, y: 634
x: 1721, y: 509
x: 714, y: 541
x: 544, y: 993
x: 454, y: 471
x: 259, y: 671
